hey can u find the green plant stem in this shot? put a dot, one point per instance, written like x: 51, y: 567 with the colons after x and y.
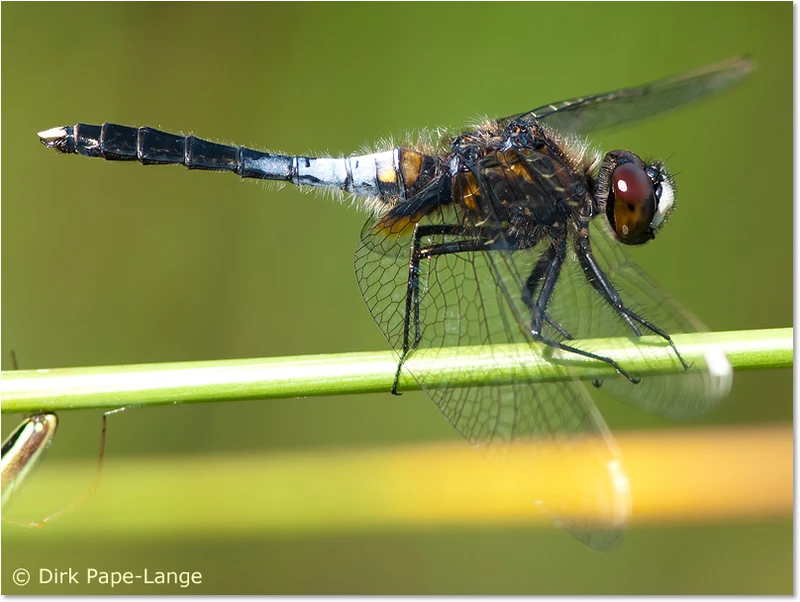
x: 26, y: 391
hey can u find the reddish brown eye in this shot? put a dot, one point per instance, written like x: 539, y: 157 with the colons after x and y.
x: 631, y: 184
x: 633, y: 205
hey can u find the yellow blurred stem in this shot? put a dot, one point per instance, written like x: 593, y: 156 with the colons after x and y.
x: 676, y: 476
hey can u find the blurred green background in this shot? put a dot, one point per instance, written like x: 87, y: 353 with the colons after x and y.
x: 108, y: 263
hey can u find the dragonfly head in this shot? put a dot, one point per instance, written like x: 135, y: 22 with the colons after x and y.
x: 638, y: 197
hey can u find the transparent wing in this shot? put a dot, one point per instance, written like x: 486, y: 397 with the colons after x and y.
x: 602, y: 111
x: 579, y: 310
x: 676, y: 396
x: 473, y: 298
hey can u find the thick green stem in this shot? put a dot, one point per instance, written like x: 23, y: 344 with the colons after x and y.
x: 369, y: 372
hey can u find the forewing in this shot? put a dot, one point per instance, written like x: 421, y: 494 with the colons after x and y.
x: 602, y: 111
x: 676, y: 396
x: 468, y: 299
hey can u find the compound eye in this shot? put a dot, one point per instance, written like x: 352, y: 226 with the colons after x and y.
x: 634, y: 204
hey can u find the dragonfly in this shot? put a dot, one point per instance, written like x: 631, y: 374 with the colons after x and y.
x: 509, y: 234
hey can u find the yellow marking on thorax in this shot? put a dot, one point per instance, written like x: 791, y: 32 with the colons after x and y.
x: 466, y: 190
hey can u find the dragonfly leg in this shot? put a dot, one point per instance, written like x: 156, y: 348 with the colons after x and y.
x: 545, y: 276
x: 419, y: 253
x: 537, y: 274
x: 601, y: 283
x: 411, y: 313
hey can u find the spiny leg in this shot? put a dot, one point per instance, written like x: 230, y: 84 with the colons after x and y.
x: 545, y: 274
x: 601, y: 283
x: 538, y: 272
x: 412, y: 308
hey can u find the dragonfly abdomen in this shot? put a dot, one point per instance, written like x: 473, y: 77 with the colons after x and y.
x: 387, y: 175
